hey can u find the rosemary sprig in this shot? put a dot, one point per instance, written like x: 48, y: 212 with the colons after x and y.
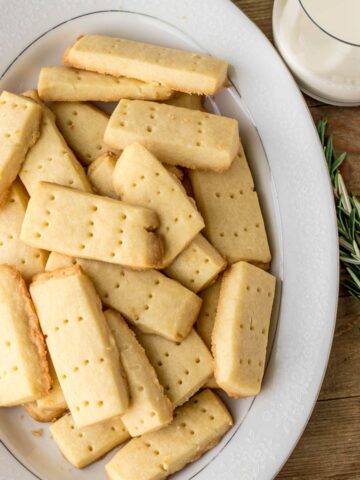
x: 348, y: 214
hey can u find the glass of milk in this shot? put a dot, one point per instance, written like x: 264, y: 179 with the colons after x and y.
x: 320, y: 42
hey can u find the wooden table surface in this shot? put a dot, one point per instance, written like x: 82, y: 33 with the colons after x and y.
x: 330, y: 445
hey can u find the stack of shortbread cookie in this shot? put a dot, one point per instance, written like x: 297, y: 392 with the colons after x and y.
x: 133, y: 257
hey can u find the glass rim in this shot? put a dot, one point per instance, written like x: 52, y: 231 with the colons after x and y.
x: 325, y: 31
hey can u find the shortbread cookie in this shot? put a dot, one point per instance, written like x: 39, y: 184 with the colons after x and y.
x: 44, y: 415
x: 24, y: 374
x: 28, y: 260
x: 51, y: 160
x: 19, y: 129
x: 185, y: 100
x: 175, y: 135
x: 206, y: 318
x: 149, y: 408
x: 100, y: 173
x: 61, y: 84
x: 82, y: 446
x: 199, y: 425
x: 83, y: 126
x: 182, y: 368
x: 144, y: 298
x: 140, y: 179
x: 33, y: 94
x: 89, y: 226
x: 197, y: 266
x: 55, y: 398
x: 81, y: 346
x: 53, y: 405
x: 177, y: 69
x: 241, y: 329
x: 232, y: 214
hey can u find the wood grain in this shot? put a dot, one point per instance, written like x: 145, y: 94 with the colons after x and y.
x: 330, y: 445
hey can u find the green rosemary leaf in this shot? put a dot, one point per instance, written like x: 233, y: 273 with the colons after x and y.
x: 356, y: 204
x: 344, y: 196
x: 353, y: 276
x: 329, y: 151
x: 321, y: 127
x: 336, y: 164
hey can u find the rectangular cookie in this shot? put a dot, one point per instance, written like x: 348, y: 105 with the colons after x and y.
x: 81, y: 345
x: 28, y: 260
x: 232, y: 214
x: 100, y: 173
x: 51, y: 160
x: 140, y: 179
x: 177, y: 69
x: 149, y: 408
x: 206, y: 319
x: 197, y: 265
x: 43, y: 415
x: 61, y: 84
x: 82, y: 446
x: 143, y: 298
x: 19, y: 129
x: 101, y: 170
x: 199, y: 425
x: 182, y: 368
x: 82, y: 224
x: 186, y: 100
x: 55, y: 398
x: 24, y: 374
x: 241, y: 329
x: 83, y: 126
x: 175, y: 135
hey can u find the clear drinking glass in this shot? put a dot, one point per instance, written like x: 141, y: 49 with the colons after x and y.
x: 320, y: 42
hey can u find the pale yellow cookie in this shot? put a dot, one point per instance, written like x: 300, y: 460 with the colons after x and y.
x: 232, y: 214
x: 241, y: 329
x: 197, y: 265
x: 81, y: 224
x: 51, y: 406
x: 24, y: 374
x: 33, y: 94
x: 175, y: 135
x: 82, y: 446
x: 19, y: 129
x: 43, y: 415
x: 206, y: 318
x: 185, y: 100
x: 100, y: 173
x: 149, y: 408
x: 61, y: 84
x: 182, y: 368
x: 144, y: 298
x: 199, y: 425
x: 55, y: 398
x: 51, y: 160
x: 177, y: 69
x: 140, y: 179
x: 81, y: 346
x: 83, y: 126
x: 28, y: 260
